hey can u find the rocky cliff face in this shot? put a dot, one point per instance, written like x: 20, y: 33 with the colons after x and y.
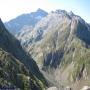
x: 17, y: 68
x: 60, y: 44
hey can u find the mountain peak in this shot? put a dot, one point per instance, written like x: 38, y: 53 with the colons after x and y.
x: 71, y: 13
x: 59, y: 11
x: 40, y: 10
x: 17, y: 24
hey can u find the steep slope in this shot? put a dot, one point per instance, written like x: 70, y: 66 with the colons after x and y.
x: 60, y: 44
x: 17, y: 68
x: 14, y: 75
x: 46, y: 33
x: 24, y: 21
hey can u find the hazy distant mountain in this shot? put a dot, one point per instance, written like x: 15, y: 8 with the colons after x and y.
x: 22, y: 21
x: 17, y: 68
x: 60, y: 44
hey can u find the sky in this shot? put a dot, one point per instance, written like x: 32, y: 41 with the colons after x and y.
x: 10, y: 9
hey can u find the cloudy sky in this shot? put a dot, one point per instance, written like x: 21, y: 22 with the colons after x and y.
x: 11, y: 8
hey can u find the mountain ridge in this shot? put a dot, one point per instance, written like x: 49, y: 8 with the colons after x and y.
x: 15, y: 25
x: 60, y: 43
x: 17, y: 65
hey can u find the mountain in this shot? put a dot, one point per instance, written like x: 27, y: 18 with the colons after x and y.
x: 60, y: 44
x: 25, y: 20
x: 17, y: 68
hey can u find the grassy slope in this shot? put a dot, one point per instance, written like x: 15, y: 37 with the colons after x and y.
x: 14, y: 73
x: 12, y: 70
